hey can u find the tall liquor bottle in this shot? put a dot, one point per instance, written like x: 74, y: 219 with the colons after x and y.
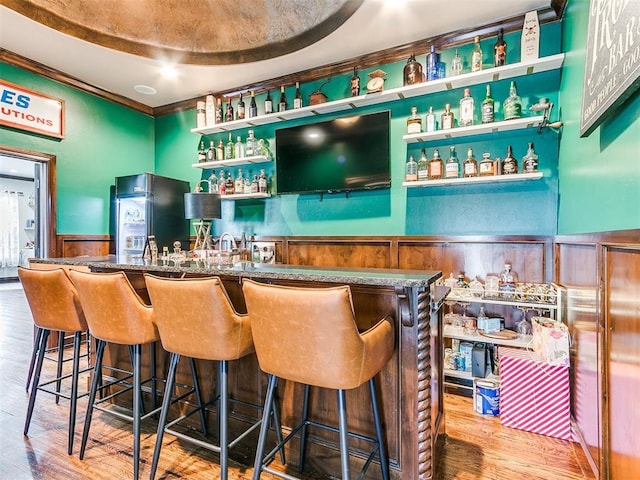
x: 433, y: 61
x: 476, y: 55
x: 411, y: 170
x: 202, y: 154
x: 240, y: 109
x: 355, y: 83
x: 211, y: 153
x: 228, y: 151
x: 238, y: 183
x: 282, y: 104
x: 219, y: 111
x: 432, y: 123
x: 253, y: 107
x: 220, y: 150
x: 239, y: 149
x: 210, y: 110
x: 297, y: 99
x: 467, y: 106
x: 201, y: 115
x: 250, y: 146
x: 509, y: 163
x: 456, y: 64
x: 435, y: 166
x: 530, y: 160
x: 512, y: 106
x: 470, y: 165
x: 229, y: 185
x: 213, y: 182
x: 228, y: 116
x: 423, y: 166
x: 452, y: 167
x: 500, y: 50
x: 268, y: 103
x: 412, y: 72
x: 414, y: 122
x: 263, y: 183
x: 222, y: 183
x: 488, y: 107
x: 447, y: 120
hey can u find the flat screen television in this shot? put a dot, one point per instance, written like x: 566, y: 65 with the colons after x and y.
x: 341, y: 155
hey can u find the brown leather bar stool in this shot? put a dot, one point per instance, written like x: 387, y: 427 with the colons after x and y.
x: 55, y: 306
x: 116, y: 314
x: 309, y: 335
x: 196, y: 319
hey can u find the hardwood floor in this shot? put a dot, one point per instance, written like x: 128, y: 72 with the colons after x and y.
x: 476, y: 447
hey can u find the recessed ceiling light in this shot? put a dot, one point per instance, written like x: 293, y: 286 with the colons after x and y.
x: 169, y: 71
x: 145, y: 89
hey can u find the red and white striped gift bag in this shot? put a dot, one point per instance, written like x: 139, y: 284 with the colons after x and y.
x: 534, y: 395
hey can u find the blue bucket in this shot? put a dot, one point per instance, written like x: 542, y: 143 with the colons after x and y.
x: 486, y: 397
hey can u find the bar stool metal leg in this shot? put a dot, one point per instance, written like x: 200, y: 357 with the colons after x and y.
x: 344, y: 444
x: 223, y: 373
x: 264, y: 427
x: 100, y: 344
x: 303, y: 430
x: 137, y: 411
x: 77, y: 340
x: 60, y: 362
x: 34, y: 355
x: 382, y: 449
x: 36, y: 379
x: 196, y: 386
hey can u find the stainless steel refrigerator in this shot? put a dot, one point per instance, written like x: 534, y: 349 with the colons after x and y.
x: 148, y: 204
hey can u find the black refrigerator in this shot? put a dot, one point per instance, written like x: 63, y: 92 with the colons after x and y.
x: 148, y: 204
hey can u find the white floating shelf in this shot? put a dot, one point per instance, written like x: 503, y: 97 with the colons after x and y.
x: 231, y: 163
x: 494, y: 127
x: 518, y: 177
x: 451, y: 331
x: 543, y: 64
x: 466, y: 375
x: 241, y: 196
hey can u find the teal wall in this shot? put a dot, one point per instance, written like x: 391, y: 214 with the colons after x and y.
x: 599, y: 175
x: 103, y: 140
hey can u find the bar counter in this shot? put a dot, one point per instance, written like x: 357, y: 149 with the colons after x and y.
x: 410, y: 385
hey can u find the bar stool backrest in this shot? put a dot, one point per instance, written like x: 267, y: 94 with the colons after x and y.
x: 310, y: 336
x: 114, y: 311
x: 196, y: 318
x: 53, y: 299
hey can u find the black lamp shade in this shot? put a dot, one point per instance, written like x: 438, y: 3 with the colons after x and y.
x: 201, y: 205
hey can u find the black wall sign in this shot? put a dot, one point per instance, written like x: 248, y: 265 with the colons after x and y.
x: 612, y: 63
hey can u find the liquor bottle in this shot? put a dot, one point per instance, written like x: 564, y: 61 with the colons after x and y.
x: 247, y: 183
x: 412, y: 72
x: 268, y: 103
x: 470, y: 165
x: 414, y: 122
x: 238, y: 149
x: 435, y: 166
x: 512, y: 106
x: 229, y: 185
x: 263, y: 183
x: 530, y: 160
x: 500, y: 50
x: 211, y: 153
x: 411, y: 171
x: 238, y: 183
x: 452, y: 167
x: 507, y: 283
x: 228, y: 116
x: 220, y: 150
x: 467, y: 106
x: 487, y: 167
x: 447, y: 120
x: 432, y: 123
x: 476, y: 55
x: 355, y: 83
x: 253, y: 107
x: 488, y: 107
x: 228, y: 151
x: 213, y: 182
x: 222, y: 184
x: 509, y: 163
x: 201, y: 116
x: 250, y: 147
x: 254, y: 184
x: 433, y: 59
x: 210, y: 110
x: 456, y: 64
x: 219, y: 111
x: 297, y: 98
x: 423, y: 166
x: 202, y: 155
x: 282, y: 104
x: 240, y: 109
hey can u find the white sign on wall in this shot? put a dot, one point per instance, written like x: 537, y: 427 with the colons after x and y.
x: 26, y: 109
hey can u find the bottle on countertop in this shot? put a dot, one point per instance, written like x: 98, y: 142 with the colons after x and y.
x: 452, y: 166
x: 470, y: 165
x: 228, y: 116
x: 467, y: 107
x: 411, y: 170
x: 282, y: 104
x: 432, y: 123
x: 456, y: 64
x: 414, y: 122
x: 297, y: 98
x: 412, y: 72
x: 253, y: 107
x: 423, y: 166
x: 488, y: 107
x: 448, y: 120
x: 268, y: 103
x: 500, y: 50
x: 530, y: 160
x: 512, y: 106
x: 202, y: 154
x: 476, y: 55
x: 435, y: 166
x: 211, y: 153
x: 509, y: 163
x: 240, y: 110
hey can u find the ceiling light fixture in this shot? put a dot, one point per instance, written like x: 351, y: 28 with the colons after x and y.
x: 169, y: 71
x: 145, y: 89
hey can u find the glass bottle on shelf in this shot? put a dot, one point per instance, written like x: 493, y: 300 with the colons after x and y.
x: 210, y: 110
x: 229, y: 186
x: 432, y: 123
x: 414, y: 122
x: 412, y: 72
x: 211, y: 153
x: 411, y: 170
x: 467, y: 106
x: 507, y: 285
x: 239, y: 149
x: 423, y: 166
x: 452, y: 167
x: 476, y: 55
x: 512, y: 107
x: 268, y: 103
x: 219, y: 111
x: 220, y: 150
x: 355, y: 83
x: 254, y: 184
x: 222, y: 183
x: 481, y: 319
x: 240, y: 109
x: 228, y: 117
x: 201, y: 115
x: 488, y: 107
x: 253, y: 107
x: 202, y: 154
x: 213, y: 182
x: 509, y: 163
x: 435, y: 166
x: 247, y: 183
x: 456, y: 64
x: 447, y: 121
x: 250, y: 147
x: 500, y: 50
x: 487, y: 167
x: 228, y: 151
x: 238, y: 183
x: 262, y: 182
x: 297, y: 98
x: 433, y: 60
x: 470, y: 165
x: 530, y: 160
x: 282, y: 104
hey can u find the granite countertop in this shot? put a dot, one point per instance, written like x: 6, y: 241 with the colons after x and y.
x: 363, y: 276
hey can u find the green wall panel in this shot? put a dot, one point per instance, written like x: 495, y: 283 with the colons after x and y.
x: 103, y: 140
x: 600, y: 174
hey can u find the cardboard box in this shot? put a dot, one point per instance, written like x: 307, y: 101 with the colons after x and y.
x: 534, y: 395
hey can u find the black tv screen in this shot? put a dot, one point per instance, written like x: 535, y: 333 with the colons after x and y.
x: 341, y: 155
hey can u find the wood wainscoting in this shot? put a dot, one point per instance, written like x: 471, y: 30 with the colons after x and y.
x: 81, y: 245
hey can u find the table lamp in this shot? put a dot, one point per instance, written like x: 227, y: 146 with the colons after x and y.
x: 202, y: 207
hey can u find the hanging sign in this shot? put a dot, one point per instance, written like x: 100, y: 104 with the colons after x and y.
x: 26, y: 109
x: 612, y: 61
